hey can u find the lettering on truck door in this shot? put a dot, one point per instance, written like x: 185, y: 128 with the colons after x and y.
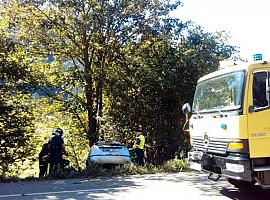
x: 259, y: 114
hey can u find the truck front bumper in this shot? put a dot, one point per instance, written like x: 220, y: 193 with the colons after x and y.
x: 234, y: 166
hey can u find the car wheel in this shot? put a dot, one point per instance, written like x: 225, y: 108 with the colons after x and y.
x: 89, y: 164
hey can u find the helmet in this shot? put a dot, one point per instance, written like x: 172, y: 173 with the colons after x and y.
x: 138, y: 131
x: 186, y: 109
x: 58, y: 132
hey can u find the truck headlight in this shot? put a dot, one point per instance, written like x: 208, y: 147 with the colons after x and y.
x: 235, y: 167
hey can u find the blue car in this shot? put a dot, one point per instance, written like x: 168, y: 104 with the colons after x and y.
x: 108, y: 153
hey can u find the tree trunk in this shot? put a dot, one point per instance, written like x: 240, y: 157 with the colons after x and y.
x: 89, y: 94
x: 100, y: 93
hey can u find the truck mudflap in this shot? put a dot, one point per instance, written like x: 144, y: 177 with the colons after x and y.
x: 236, y: 167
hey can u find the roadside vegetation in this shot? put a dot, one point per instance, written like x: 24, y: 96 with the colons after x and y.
x: 98, y: 69
x: 171, y: 166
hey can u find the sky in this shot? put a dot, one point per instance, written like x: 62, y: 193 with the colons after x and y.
x: 246, y: 21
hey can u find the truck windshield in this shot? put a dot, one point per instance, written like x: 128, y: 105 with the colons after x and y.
x: 220, y: 93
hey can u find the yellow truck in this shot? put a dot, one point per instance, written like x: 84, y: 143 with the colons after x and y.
x: 230, y: 124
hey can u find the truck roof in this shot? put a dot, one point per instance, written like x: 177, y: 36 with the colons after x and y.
x: 238, y: 67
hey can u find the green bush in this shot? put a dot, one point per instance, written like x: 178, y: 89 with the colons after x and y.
x: 175, y: 165
x: 93, y: 171
x: 171, y: 166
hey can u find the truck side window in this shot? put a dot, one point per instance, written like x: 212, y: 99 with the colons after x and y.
x: 260, y: 82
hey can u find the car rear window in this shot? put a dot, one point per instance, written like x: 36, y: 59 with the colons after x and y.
x: 103, y: 143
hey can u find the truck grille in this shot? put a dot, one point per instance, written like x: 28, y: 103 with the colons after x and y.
x: 213, y: 145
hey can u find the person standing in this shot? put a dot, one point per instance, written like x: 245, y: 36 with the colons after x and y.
x: 138, y: 147
x: 57, y: 148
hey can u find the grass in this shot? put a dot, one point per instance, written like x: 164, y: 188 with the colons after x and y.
x: 171, y: 166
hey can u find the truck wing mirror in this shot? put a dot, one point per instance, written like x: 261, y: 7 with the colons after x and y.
x: 186, y: 108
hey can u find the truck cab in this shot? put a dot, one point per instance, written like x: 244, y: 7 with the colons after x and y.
x: 230, y: 124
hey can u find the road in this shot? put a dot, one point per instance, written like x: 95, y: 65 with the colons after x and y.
x: 189, y: 185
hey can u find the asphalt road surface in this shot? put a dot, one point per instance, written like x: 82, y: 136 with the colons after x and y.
x: 184, y: 185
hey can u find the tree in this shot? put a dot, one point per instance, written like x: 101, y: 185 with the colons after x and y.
x: 157, y: 80
x: 91, y: 35
x: 126, y: 63
x: 16, y: 110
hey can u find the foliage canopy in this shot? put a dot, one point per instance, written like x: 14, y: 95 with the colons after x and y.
x: 108, y: 66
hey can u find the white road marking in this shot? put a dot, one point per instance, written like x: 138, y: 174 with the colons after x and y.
x: 61, y: 192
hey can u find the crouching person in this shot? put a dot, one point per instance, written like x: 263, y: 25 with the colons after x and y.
x: 43, y: 159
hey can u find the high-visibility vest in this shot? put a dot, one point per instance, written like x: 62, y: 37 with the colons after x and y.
x: 142, y: 142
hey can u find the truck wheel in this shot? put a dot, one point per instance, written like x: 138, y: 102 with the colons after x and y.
x: 240, y: 183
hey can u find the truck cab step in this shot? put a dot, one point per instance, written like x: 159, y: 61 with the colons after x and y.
x: 261, y: 168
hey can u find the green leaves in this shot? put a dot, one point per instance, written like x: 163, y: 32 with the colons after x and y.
x: 114, y: 65
x: 17, y: 129
x: 150, y: 86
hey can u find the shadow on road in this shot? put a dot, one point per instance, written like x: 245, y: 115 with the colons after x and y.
x: 196, y: 180
x: 255, y: 193
x: 219, y: 188
x: 71, y: 188
x: 125, y: 187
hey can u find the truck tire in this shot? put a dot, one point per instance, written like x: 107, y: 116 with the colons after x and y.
x: 240, y: 183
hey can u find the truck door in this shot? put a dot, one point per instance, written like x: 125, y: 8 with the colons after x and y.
x: 259, y: 115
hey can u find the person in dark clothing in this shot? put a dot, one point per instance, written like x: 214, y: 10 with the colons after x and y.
x: 43, y: 159
x: 57, y: 148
